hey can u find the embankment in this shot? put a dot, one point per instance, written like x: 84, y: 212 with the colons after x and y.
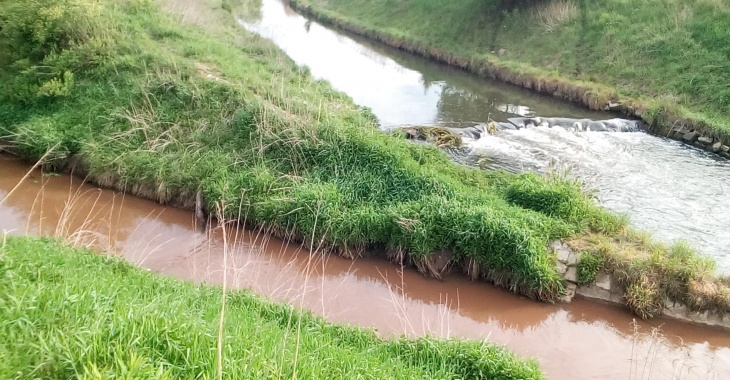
x: 69, y: 313
x: 131, y: 98
x: 605, y: 55
x: 147, y: 105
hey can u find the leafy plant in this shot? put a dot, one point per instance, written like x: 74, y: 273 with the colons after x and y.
x: 588, y: 267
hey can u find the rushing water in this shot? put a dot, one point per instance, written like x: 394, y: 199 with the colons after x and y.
x: 582, y: 340
x: 674, y: 191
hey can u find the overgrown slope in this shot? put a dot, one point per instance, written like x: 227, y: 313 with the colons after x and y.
x: 66, y: 313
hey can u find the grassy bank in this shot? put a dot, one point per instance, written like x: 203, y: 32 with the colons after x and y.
x: 652, y: 274
x: 68, y: 313
x: 138, y: 101
x: 663, y: 60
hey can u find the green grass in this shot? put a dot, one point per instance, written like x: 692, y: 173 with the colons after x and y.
x: 671, y: 55
x: 653, y: 273
x: 142, y: 102
x: 67, y: 313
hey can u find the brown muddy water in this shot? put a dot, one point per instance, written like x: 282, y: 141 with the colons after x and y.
x: 583, y: 340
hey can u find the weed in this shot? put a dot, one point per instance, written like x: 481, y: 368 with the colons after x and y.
x: 588, y: 267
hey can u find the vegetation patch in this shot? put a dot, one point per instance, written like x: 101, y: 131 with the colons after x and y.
x: 440, y: 136
x: 588, y: 267
x: 653, y: 273
x: 664, y: 61
x: 68, y: 313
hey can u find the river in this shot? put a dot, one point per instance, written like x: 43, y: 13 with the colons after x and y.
x: 665, y: 187
x: 674, y: 191
x: 580, y: 340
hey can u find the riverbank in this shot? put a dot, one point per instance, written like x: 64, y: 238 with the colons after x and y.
x: 99, y: 317
x: 513, y: 46
x: 146, y: 105
x: 152, y: 107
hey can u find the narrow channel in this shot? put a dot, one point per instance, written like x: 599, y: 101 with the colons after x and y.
x: 674, y: 191
x: 581, y: 340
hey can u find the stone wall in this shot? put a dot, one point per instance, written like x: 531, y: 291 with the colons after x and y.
x: 697, y: 139
x: 606, y: 289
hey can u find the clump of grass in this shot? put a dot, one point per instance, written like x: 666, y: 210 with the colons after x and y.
x: 588, y: 267
x: 442, y: 137
x: 68, y: 313
x: 644, y: 297
x: 555, y: 13
x: 653, y: 273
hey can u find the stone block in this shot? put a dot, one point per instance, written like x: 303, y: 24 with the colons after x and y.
x: 682, y: 130
x: 705, y: 140
x: 725, y: 148
x: 594, y: 293
x: 603, y: 281
x: 561, y: 250
x: 617, y: 297
x: 571, y: 274
x: 690, y: 136
x: 699, y: 145
x: 562, y: 268
x: 572, y: 259
x: 715, y: 147
x: 675, y: 310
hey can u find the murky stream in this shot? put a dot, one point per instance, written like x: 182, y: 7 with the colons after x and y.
x: 674, y: 191
x: 582, y: 340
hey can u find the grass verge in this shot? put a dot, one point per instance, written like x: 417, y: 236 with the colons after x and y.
x: 68, y: 313
x: 661, y: 60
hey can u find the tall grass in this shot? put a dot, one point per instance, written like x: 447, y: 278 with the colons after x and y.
x: 166, y: 111
x: 69, y: 313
